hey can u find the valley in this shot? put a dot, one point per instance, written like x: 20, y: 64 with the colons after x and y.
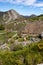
x: 21, y: 39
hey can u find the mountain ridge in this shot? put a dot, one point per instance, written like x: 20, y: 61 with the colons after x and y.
x: 16, y: 22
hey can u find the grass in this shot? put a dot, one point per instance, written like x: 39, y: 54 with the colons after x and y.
x: 5, y: 36
x: 2, y: 38
x: 28, y: 55
x: 2, y: 31
x: 10, y: 34
x: 21, y: 39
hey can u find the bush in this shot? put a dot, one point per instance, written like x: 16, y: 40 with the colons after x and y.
x: 17, y: 47
x: 2, y: 27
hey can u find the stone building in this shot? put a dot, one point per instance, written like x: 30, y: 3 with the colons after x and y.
x: 42, y: 35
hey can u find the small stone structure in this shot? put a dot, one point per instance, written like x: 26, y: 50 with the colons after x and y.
x: 42, y: 35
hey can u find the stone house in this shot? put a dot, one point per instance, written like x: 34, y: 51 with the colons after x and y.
x: 42, y: 35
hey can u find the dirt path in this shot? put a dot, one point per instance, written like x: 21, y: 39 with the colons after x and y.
x: 12, y: 37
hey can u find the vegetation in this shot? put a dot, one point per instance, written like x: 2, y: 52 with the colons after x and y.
x: 2, y: 27
x: 28, y: 55
x: 31, y: 54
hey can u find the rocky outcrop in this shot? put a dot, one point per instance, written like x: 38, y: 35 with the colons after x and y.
x: 33, y: 28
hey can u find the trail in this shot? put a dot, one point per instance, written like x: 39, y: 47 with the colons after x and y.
x: 12, y: 37
x: 4, y: 46
x: 2, y: 33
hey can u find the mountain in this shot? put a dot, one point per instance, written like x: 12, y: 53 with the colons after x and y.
x: 17, y: 47
x: 9, y: 15
x: 12, y: 20
x: 33, y: 15
x: 12, y: 14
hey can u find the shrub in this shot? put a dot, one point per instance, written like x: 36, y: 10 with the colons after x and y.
x: 2, y: 27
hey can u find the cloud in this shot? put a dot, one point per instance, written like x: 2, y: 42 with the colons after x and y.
x: 25, y: 2
x: 4, y: 0
x: 28, y: 2
x: 38, y: 4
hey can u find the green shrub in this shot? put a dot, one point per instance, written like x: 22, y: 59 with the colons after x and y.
x: 2, y: 27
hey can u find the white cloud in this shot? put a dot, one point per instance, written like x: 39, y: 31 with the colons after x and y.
x: 25, y: 2
x: 29, y: 2
x: 38, y: 4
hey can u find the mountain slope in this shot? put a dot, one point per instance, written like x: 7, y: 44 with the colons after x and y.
x: 13, y: 21
x: 34, y: 27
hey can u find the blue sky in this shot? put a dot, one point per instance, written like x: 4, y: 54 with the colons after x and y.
x: 23, y: 7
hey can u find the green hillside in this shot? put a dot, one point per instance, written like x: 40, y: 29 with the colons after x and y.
x: 28, y: 55
x: 21, y: 39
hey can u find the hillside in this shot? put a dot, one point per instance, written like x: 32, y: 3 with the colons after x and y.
x: 18, y: 45
x: 12, y: 20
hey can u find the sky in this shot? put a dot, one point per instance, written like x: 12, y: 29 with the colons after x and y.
x: 23, y: 7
